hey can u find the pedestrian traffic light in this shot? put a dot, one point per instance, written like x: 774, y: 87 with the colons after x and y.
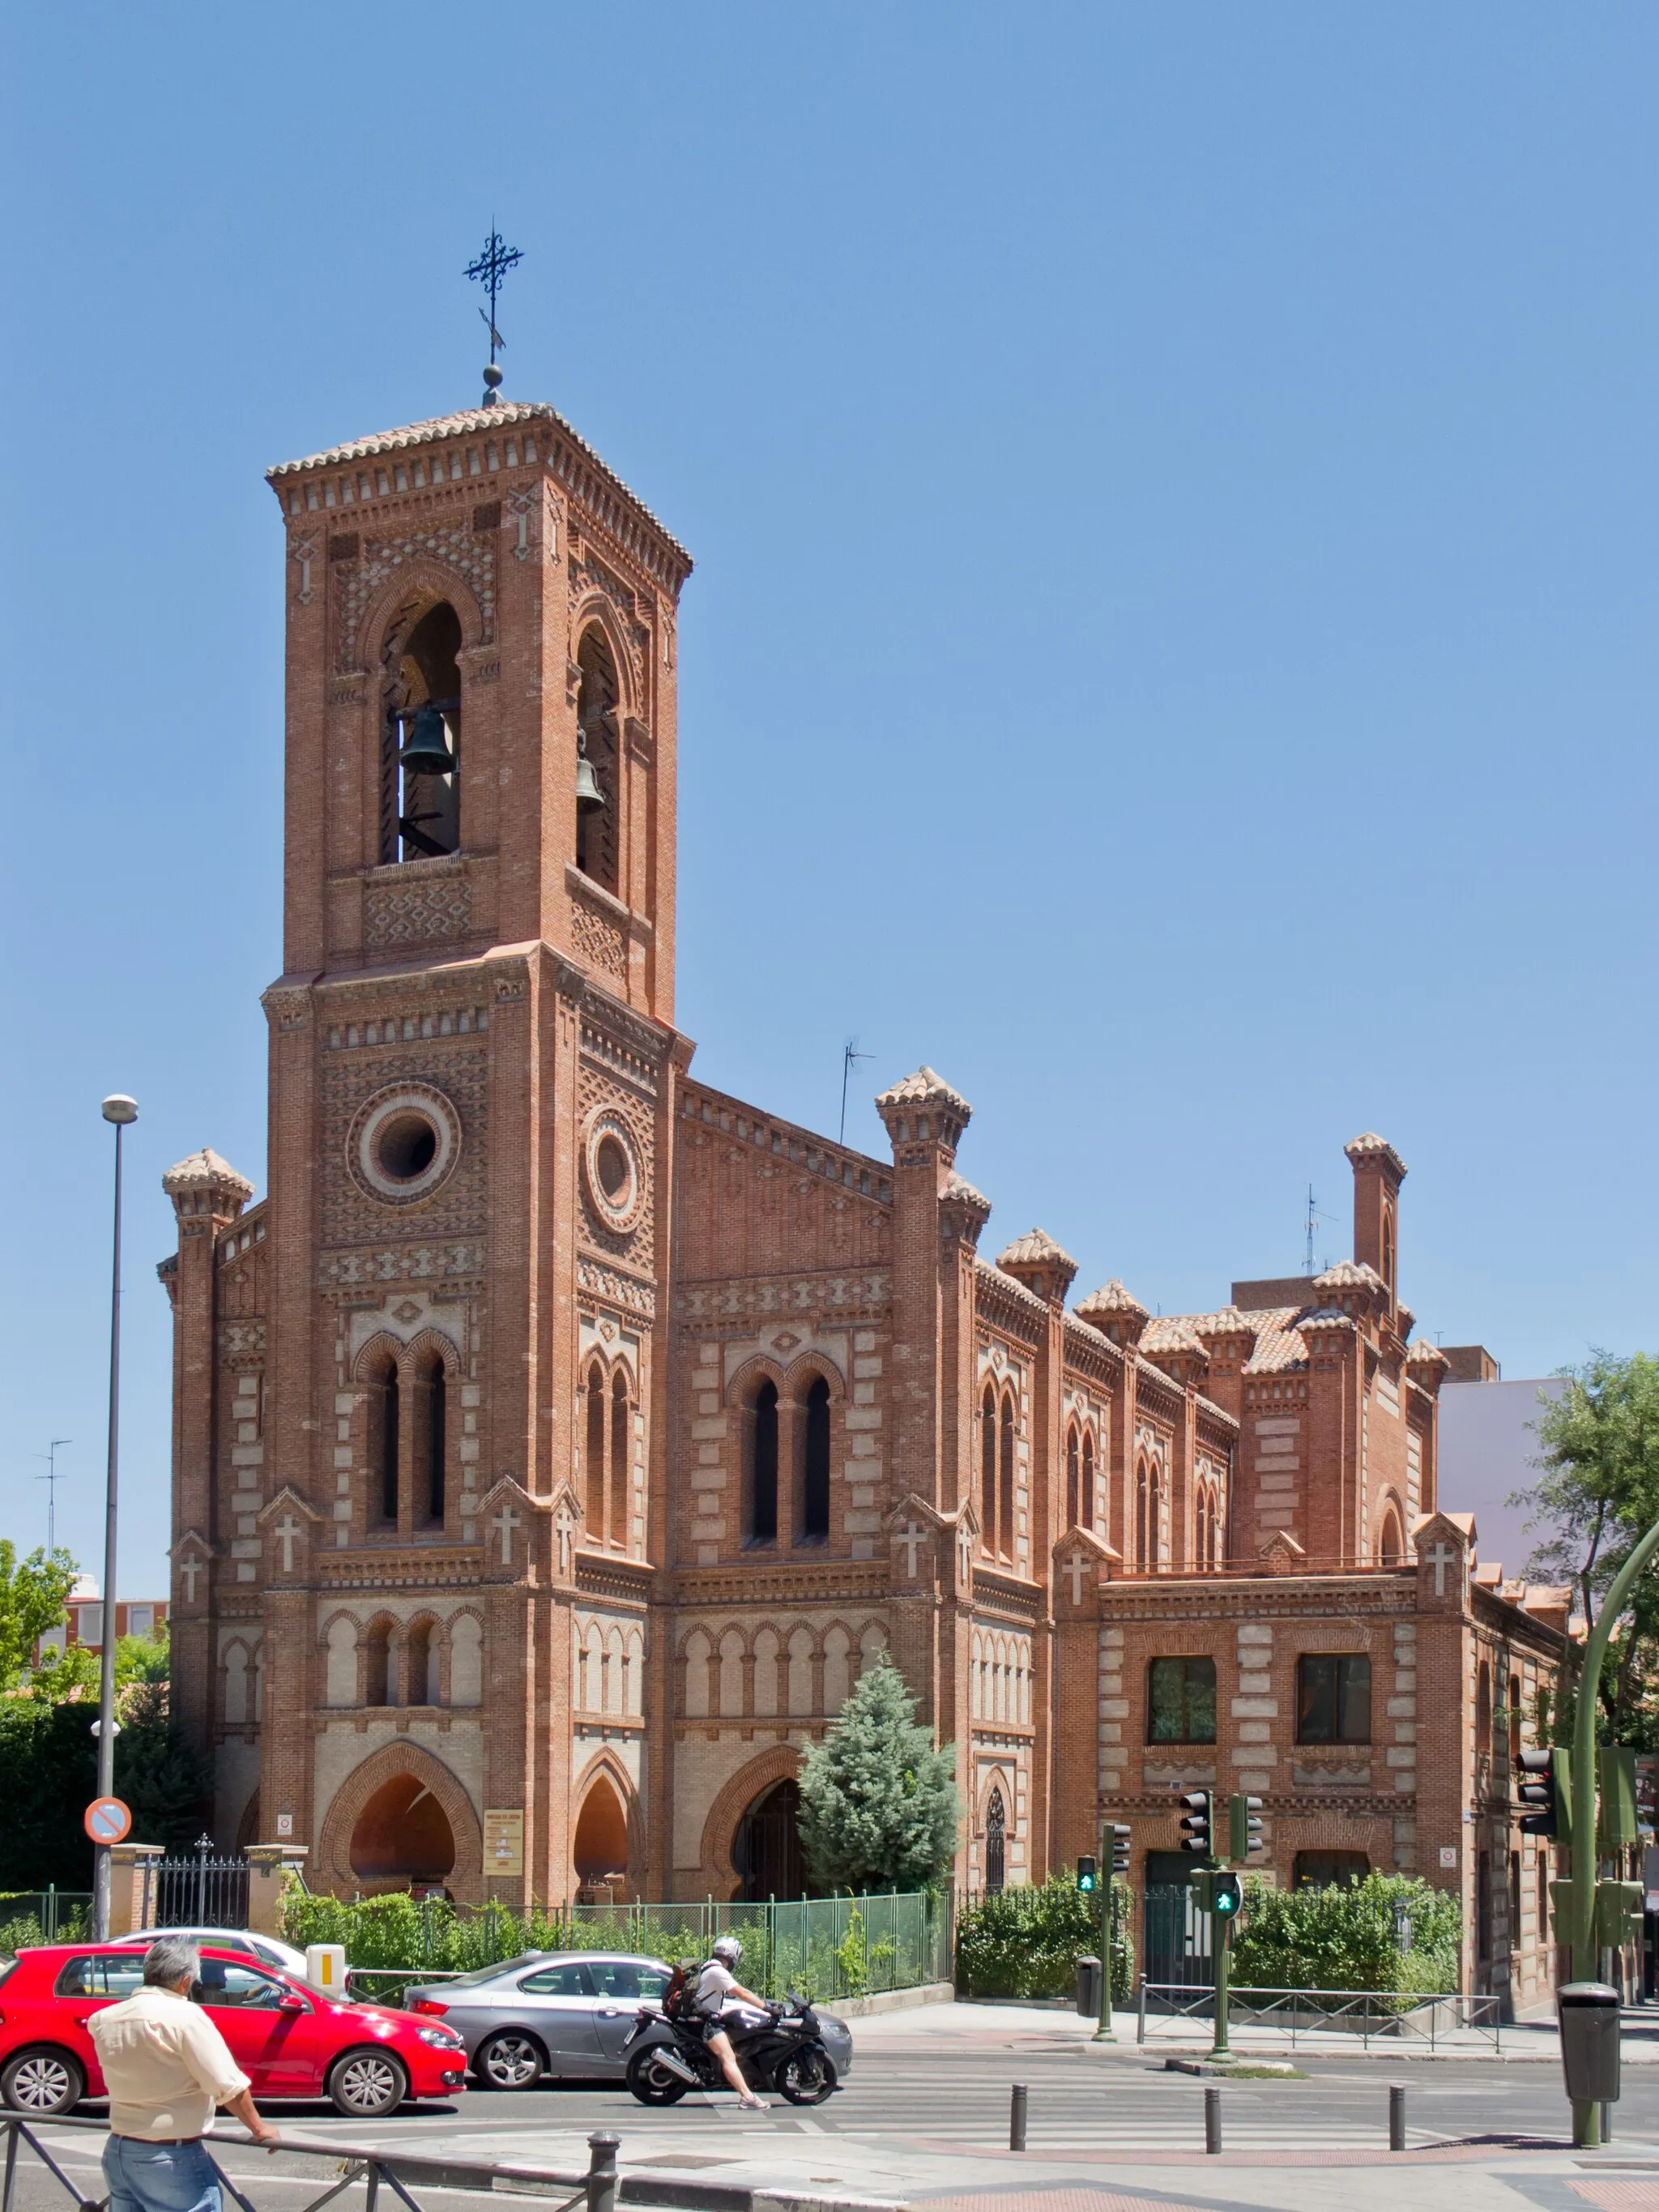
x: 1121, y: 1834
x: 1615, y: 1824
x: 1619, y: 1913
x: 1086, y: 1873
x: 1226, y: 1895
x: 1243, y: 1828
x: 1546, y: 1794
x: 1197, y: 1822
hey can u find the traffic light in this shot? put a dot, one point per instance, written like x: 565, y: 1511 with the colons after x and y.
x: 1220, y: 1891
x: 1197, y: 1821
x: 1546, y: 1792
x: 1619, y: 1913
x: 1120, y: 1835
x: 1615, y: 1824
x: 1243, y: 1828
x: 1087, y: 1875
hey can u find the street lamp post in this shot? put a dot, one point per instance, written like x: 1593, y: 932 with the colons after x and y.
x: 119, y: 1110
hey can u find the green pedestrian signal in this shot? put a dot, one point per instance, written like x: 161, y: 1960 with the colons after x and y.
x: 1227, y: 1895
x: 1197, y: 1822
x: 1086, y: 1873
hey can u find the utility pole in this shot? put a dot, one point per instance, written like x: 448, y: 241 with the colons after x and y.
x: 51, y: 1478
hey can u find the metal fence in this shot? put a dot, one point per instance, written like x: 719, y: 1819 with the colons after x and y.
x: 43, y: 1916
x: 207, y: 1891
x: 827, y: 1948
x: 1395, y: 2017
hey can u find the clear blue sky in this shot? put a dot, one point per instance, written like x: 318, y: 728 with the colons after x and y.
x: 1174, y: 493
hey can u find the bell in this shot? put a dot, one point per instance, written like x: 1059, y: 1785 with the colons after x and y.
x: 426, y: 745
x: 589, y: 797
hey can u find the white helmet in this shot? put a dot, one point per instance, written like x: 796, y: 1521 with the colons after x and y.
x: 728, y: 1949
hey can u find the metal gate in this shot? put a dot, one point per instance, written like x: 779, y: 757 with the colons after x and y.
x: 1175, y: 1942
x: 203, y: 1892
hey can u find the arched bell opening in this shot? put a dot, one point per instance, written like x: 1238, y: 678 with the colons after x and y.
x: 421, y: 803
x: 598, y: 713
x: 402, y: 1835
x: 599, y: 1850
x: 766, y: 1850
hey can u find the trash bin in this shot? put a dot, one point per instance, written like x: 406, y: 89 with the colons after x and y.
x: 1088, y: 1989
x: 1589, y: 2013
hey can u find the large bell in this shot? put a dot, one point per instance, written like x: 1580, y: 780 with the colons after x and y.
x: 426, y: 745
x: 589, y: 797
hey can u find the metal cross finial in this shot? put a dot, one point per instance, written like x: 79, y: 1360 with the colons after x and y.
x: 491, y: 265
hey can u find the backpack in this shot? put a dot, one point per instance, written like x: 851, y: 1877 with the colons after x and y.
x: 677, y: 1998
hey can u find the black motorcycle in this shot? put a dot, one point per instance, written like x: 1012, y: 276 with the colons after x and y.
x: 783, y: 2052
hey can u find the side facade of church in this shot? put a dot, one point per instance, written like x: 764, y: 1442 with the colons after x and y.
x: 559, y: 1438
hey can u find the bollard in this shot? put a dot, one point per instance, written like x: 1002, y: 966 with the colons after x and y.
x: 1017, y: 2105
x: 1607, y: 2124
x: 1396, y: 2116
x: 1212, y: 2122
x: 602, y: 2172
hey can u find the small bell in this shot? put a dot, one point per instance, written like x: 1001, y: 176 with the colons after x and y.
x: 426, y: 745
x: 589, y: 797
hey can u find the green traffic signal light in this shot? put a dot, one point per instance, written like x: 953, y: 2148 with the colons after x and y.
x: 1226, y: 1895
x: 1086, y: 1872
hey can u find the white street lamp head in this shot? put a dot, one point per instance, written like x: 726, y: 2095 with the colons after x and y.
x: 119, y: 1108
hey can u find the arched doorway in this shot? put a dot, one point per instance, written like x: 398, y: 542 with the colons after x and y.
x: 600, y: 1848
x: 402, y: 1835
x: 766, y: 1849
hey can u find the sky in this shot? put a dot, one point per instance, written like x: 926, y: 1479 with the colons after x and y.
x: 1173, y: 490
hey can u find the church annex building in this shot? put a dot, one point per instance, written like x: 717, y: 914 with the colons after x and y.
x: 559, y: 1438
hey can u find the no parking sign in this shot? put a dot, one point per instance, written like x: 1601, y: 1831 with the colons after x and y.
x: 107, y: 1821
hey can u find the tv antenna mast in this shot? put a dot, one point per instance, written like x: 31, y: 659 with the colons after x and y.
x: 51, y: 1478
x: 1314, y: 1216
x: 849, y: 1053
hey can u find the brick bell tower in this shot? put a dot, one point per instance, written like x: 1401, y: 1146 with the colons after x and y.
x: 463, y: 1248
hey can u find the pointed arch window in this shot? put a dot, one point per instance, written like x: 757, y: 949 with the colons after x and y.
x: 597, y: 712
x: 420, y: 806
x: 761, y: 1423
x: 1143, y: 1551
x: 384, y: 1438
x: 1006, y: 1517
x: 378, y: 1684
x: 988, y: 1469
x: 815, y: 1463
x: 621, y: 1423
x: 593, y: 1456
x: 996, y: 1833
x: 1086, y: 1518
x: 1073, y: 1481
x: 431, y: 1423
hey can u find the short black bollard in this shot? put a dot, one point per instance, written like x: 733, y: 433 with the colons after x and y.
x: 1212, y: 2122
x: 1017, y: 2105
x: 1396, y: 2116
x: 602, y: 2172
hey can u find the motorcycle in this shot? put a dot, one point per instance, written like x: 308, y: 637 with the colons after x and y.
x: 781, y: 2050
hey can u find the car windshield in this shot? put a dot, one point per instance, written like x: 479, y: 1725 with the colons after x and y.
x: 480, y: 1975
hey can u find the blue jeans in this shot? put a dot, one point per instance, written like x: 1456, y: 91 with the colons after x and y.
x: 150, y: 2177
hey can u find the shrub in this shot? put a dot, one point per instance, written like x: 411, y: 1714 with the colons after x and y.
x: 1387, y: 1932
x: 1026, y: 1942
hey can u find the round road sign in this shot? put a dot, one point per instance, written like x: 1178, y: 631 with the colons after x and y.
x: 107, y: 1821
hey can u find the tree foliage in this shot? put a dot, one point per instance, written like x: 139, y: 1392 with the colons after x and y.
x: 1597, y: 1494
x: 1387, y: 1932
x: 879, y: 1804
x: 1026, y: 1942
x: 32, y: 1594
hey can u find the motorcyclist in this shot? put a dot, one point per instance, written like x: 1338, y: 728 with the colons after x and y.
x: 717, y: 1987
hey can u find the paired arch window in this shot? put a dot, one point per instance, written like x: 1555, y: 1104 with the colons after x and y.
x: 607, y: 1456
x: 404, y: 1665
x: 1148, y: 1515
x: 1208, y: 1526
x: 809, y: 1445
x: 1006, y: 1483
x: 407, y: 1442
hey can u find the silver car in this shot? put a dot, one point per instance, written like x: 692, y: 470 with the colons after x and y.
x: 545, y: 2013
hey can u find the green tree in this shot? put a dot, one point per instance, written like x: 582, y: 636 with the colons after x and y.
x: 159, y: 1773
x: 879, y: 1804
x: 33, y: 1593
x: 1596, y: 1495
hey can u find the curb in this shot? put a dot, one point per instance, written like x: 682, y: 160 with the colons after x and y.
x: 924, y: 1993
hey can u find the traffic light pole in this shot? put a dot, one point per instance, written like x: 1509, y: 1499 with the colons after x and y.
x: 1587, y: 2116
x: 1221, y: 1942
x: 1104, y: 2031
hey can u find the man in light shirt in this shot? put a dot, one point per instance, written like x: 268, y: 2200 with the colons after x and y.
x: 167, y: 2068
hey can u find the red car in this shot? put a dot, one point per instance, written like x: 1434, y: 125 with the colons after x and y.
x: 290, y: 2040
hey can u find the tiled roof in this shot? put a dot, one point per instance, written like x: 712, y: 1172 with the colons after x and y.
x: 1009, y: 1284
x: 1110, y: 1299
x: 469, y: 422
x: 1171, y: 1333
x: 959, y: 1186
x: 1350, y: 1275
x: 1279, y: 1349
x: 1371, y: 1146
x: 204, y: 1170
x: 1035, y: 1248
x: 1425, y: 1354
x: 924, y: 1088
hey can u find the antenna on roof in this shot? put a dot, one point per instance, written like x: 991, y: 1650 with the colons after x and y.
x: 491, y: 265
x: 1314, y: 1216
x: 51, y: 1478
x: 849, y: 1053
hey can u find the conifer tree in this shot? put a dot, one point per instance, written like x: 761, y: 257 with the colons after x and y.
x: 879, y: 1804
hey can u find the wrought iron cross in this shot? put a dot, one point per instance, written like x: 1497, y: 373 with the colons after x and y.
x: 491, y: 265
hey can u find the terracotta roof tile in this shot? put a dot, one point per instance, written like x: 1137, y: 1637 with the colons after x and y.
x: 1112, y: 1298
x: 1035, y: 1248
x: 924, y: 1088
x: 204, y: 1170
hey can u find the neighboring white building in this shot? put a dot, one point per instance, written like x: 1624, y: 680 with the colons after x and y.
x: 1488, y: 1443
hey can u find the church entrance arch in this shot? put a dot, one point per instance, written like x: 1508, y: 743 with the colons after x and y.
x: 413, y: 1783
x: 600, y: 1846
x: 403, y: 1834
x: 766, y: 1850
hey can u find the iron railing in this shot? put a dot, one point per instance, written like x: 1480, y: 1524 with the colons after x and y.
x: 1393, y: 2015
x: 207, y: 1891
x: 43, y: 1916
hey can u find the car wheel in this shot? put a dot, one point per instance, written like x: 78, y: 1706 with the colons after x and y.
x: 509, y: 2060
x: 650, y: 2081
x: 42, y: 2081
x: 806, y: 2077
x: 366, y: 2085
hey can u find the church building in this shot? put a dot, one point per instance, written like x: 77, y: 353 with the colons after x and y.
x: 559, y: 1438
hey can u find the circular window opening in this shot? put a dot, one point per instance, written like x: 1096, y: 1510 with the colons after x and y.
x: 612, y: 1165
x: 405, y: 1146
